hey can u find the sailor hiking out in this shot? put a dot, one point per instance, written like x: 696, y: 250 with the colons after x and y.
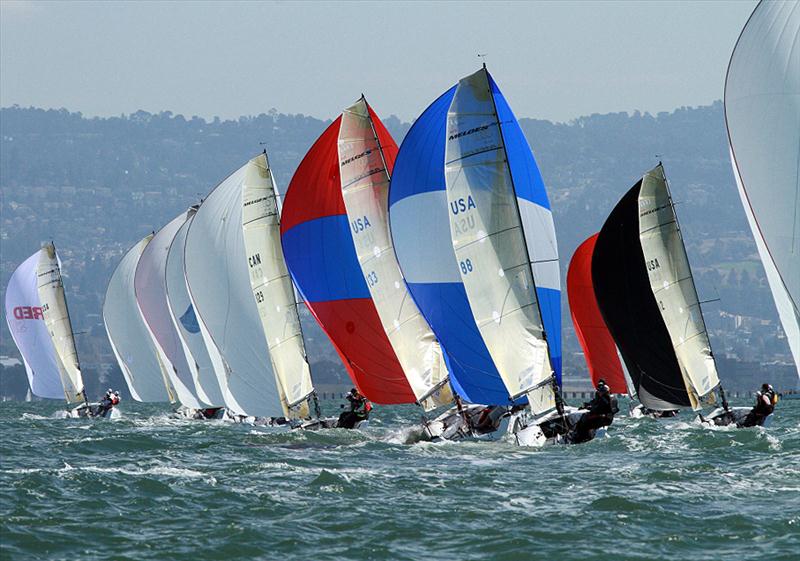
x: 359, y: 408
x: 600, y: 413
x: 765, y: 405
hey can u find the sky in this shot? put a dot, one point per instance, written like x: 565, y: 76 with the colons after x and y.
x: 553, y: 60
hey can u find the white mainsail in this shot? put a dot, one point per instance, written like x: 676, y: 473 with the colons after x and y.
x: 673, y: 286
x: 273, y: 290
x: 151, y: 295
x: 490, y: 246
x: 56, y: 318
x: 365, y: 190
x: 28, y: 329
x: 185, y: 321
x: 145, y: 374
x: 762, y: 113
x: 218, y: 277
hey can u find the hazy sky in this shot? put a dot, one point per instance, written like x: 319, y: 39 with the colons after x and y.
x: 553, y: 60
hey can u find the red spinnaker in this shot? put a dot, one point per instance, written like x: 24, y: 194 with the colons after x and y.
x: 598, y: 345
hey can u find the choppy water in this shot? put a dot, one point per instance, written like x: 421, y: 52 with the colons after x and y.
x: 150, y: 487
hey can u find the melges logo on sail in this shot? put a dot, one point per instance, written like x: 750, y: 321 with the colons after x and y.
x: 28, y: 312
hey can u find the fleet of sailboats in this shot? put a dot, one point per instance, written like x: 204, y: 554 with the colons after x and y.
x: 434, y: 271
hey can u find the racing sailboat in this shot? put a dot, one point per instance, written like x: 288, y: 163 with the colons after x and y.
x: 145, y: 374
x: 365, y: 162
x: 39, y: 322
x: 762, y: 114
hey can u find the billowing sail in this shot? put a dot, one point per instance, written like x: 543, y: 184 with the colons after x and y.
x: 145, y: 375
x: 184, y: 319
x: 273, y: 291
x: 629, y: 309
x: 26, y: 324
x: 364, y: 155
x: 489, y: 239
x: 56, y: 318
x: 598, y: 346
x: 151, y: 295
x: 762, y: 112
x: 673, y: 286
x: 319, y: 251
x: 217, y: 273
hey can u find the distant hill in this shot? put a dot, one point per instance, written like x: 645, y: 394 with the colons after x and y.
x: 97, y: 185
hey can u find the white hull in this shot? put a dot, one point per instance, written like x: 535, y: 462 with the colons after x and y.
x: 459, y: 425
x: 734, y: 415
x: 90, y: 411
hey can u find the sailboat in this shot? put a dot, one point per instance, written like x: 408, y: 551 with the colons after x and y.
x: 762, y: 115
x: 151, y: 296
x: 365, y: 161
x: 322, y: 259
x: 134, y: 348
x: 39, y: 322
x: 244, y: 301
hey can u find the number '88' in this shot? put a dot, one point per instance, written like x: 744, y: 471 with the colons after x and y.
x: 466, y: 266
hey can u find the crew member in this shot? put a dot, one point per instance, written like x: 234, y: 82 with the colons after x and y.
x: 359, y: 408
x: 765, y: 405
x: 601, y: 411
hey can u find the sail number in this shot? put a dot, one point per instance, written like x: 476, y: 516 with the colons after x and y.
x: 652, y: 264
x: 466, y: 266
x: 372, y: 279
x: 259, y: 297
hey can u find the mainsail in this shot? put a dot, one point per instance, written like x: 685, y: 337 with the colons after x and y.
x: 217, y: 273
x: 151, y: 295
x: 598, y: 345
x: 56, y: 317
x: 496, y: 223
x: 184, y: 319
x: 273, y: 290
x: 762, y: 113
x: 366, y: 154
x: 673, y: 286
x: 146, y: 376
x: 319, y: 251
x: 26, y: 324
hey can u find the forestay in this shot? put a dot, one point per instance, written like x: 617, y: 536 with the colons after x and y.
x: 151, y: 295
x: 762, y: 113
x: 673, y: 286
x: 184, y: 319
x: 365, y: 191
x: 56, y: 317
x: 273, y: 291
x: 217, y: 274
x: 26, y: 324
x: 486, y: 228
x: 130, y: 340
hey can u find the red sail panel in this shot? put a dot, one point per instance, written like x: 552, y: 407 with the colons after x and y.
x: 319, y: 251
x: 595, y: 339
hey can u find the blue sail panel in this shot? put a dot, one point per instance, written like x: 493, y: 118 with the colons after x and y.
x: 421, y: 236
x: 537, y: 220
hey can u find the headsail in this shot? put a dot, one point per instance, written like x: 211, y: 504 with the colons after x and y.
x: 488, y: 230
x: 184, y: 319
x: 762, y: 113
x: 366, y: 154
x: 151, y: 295
x: 56, y: 318
x: 26, y: 324
x: 273, y: 291
x: 319, y: 252
x: 598, y: 345
x: 673, y: 286
x: 629, y: 309
x: 216, y: 268
x: 130, y: 340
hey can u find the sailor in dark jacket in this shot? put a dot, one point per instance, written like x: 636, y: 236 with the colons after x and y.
x: 359, y: 410
x: 765, y: 405
x: 600, y: 413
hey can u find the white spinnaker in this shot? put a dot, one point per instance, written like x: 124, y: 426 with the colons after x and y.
x: 27, y: 327
x: 365, y: 190
x: 185, y: 321
x: 673, y: 285
x: 130, y: 340
x: 151, y: 295
x: 217, y: 274
x: 489, y: 243
x: 56, y: 318
x: 273, y: 291
x: 762, y: 113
